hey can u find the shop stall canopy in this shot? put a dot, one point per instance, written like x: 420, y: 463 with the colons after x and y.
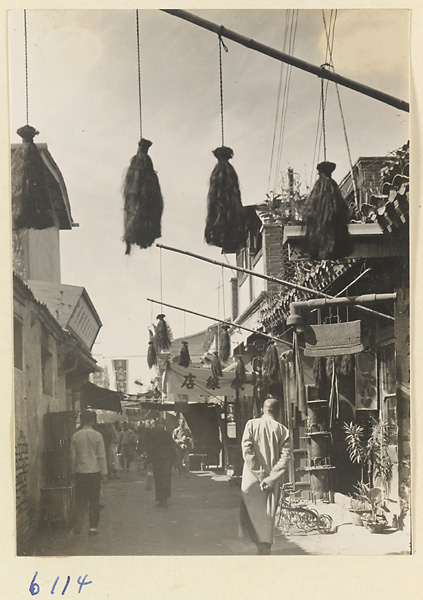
x: 96, y: 397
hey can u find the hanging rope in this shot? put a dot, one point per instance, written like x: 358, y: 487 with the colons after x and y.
x: 221, y: 44
x: 161, y: 282
x: 26, y: 69
x: 139, y: 71
x: 330, y: 49
x: 323, y: 117
x: 223, y: 294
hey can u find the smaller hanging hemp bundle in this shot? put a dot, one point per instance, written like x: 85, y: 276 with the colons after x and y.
x: 184, y: 357
x: 271, y: 365
x: 31, y: 203
x: 216, y: 367
x: 225, y: 344
x: 327, y: 216
x: 240, y: 374
x: 151, y: 352
x: 162, y: 334
x: 143, y: 200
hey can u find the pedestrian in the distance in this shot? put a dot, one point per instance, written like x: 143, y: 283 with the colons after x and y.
x: 112, y: 451
x: 161, y: 456
x: 266, y: 457
x: 89, y: 466
x: 184, y: 444
x: 128, y: 442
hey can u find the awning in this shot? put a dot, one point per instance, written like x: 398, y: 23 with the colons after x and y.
x: 333, y: 339
x: 96, y: 397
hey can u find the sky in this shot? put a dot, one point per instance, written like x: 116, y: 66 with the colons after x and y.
x: 83, y: 99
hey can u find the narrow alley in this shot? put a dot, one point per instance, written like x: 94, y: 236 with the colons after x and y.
x: 202, y: 519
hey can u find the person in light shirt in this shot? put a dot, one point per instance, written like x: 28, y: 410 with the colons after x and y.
x: 89, y: 467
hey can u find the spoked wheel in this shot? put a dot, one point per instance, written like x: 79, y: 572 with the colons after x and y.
x: 308, y: 520
x: 324, y: 524
x: 282, y: 523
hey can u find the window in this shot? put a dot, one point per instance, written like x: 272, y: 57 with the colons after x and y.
x: 18, y: 343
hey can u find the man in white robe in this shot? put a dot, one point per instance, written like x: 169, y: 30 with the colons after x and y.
x: 266, y: 455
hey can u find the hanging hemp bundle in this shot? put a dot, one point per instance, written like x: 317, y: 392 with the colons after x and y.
x: 225, y: 226
x: 320, y: 377
x: 143, y: 200
x: 216, y: 367
x: 151, y: 352
x: 31, y: 203
x: 271, y: 365
x: 346, y: 364
x: 240, y: 374
x: 327, y: 217
x: 225, y: 344
x: 184, y: 357
x: 162, y: 334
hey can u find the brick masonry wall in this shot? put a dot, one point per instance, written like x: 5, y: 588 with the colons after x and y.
x: 22, y: 504
x: 273, y: 254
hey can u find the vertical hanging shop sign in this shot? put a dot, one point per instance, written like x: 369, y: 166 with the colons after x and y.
x: 120, y: 367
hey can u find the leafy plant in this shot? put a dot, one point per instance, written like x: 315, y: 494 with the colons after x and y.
x: 373, y: 498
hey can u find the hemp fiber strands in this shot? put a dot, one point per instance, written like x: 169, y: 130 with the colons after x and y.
x: 327, y: 217
x: 271, y: 365
x: 184, y: 357
x: 225, y: 344
x: 151, y: 352
x: 216, y: 367
x: 143, y: 200
x: 31, y: 203
x: 225, y: 218
x: 162, y: 337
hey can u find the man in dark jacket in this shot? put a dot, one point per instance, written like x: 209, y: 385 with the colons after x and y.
x: 161, y: 456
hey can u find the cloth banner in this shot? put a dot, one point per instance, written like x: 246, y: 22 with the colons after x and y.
x: 333, y: 339
x: 120, y: 366
x: 195, y: 381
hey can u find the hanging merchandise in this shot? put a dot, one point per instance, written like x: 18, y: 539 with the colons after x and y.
x: 299, y: 378
x: 31, y: 203
x: 143, y: 201
x: 216, y: 367
x: 327, y: 217
x: 334, y: 396
x: 320, y: 377
x: 184, y: 357
x: 32, y: 206
x: 271, y: 365
x: 225, y: 344
x: 151, y: 352
x: 240, y: 374
x: 162, y: 337
x: 225, y: 218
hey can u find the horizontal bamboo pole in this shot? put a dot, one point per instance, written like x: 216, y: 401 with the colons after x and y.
x: 288, y: 284
x: 290, y: 60
x: 233, y: 325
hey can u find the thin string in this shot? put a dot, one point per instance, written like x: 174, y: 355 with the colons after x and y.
x: 323, y: 118
x: 185, y: 314
x: 161, y: 283
x: 221, y: 44
x: 139, y: 71
x: 223, y: 294
x: 26, y: 68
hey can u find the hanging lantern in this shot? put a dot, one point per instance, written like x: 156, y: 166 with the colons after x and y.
x: 151, y: 352
x: 225, y: 218
x: 216, y: 367
x: 225, y: 344
x: 143, y: 200
x: 327, y: 217
x: 31, y: 203
x: 162, y: 337
x: 271, y: 365
x: 184, y: 357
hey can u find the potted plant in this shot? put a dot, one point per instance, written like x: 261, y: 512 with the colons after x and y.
x: 375, y: 520
x: 358, y: 509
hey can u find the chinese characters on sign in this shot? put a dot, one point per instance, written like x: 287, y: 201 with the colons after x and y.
x: 120, y: 367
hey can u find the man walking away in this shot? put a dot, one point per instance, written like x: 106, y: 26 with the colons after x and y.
x: 266, y: 455
x: 89, y: 466
x: 161, y: 455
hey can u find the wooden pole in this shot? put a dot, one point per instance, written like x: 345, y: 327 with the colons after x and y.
x: 321, y: 72
x: 234, y: 325
x: 288, y: 284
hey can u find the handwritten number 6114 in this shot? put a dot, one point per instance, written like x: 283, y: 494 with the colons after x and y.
x: 34, y: 587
